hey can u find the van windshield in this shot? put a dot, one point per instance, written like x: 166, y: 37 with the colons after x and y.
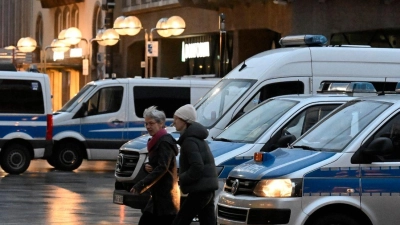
x: 220, y: 99
x: 70, y: 105
x: 341, y: 127
x: 253, y: 124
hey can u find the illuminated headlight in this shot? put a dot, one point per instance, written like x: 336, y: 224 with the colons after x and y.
x: 278, y: 188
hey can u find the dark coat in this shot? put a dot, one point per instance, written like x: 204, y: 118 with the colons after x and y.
x: 197, y: 172
x: 163, y: 180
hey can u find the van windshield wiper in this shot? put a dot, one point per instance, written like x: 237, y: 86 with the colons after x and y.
x: 222, y: 139
x: 304, y: 147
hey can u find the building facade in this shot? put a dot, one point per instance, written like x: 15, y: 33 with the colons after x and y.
x: 219, y: 34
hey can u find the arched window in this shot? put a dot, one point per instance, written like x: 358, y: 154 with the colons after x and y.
x: 97, y: 21
x: 58, y: 21
x: 67, y: 18
x: 75, y: 16
x: 39, y: 30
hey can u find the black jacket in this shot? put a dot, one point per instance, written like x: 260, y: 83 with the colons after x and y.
x: 163, y: 180
x: 197, y: 172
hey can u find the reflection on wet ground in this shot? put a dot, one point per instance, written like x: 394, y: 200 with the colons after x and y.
x: 43, y: 195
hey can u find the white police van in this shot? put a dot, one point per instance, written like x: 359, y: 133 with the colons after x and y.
x: 25, y: 119
x: 288, y: 70
x: 345, y: 170
x: 107, y: 113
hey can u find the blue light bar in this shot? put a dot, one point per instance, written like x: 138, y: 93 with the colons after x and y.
x: 308, y: 39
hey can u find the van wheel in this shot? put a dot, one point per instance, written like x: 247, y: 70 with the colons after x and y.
x: 51, y: 161
x: 15, y: 159
x: 335, y: 219
x: 67, y: 156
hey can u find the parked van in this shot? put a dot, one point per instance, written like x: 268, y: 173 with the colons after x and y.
x: 288, y: 70
x: 276, y: 122
x: 107, y: 113
x: 25, y: 119
x: 344, y: 170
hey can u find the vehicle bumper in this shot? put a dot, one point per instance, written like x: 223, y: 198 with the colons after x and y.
x: 258, y: 210
x: 135, y: 201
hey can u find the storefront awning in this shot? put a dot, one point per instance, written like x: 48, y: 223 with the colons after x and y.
x: 57, y: 3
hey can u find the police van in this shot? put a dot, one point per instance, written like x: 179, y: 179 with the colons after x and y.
x: 345, y: 170
x: 107, y: 113
x: 25, y: 119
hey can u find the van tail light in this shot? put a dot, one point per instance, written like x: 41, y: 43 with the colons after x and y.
x: 49, y: 130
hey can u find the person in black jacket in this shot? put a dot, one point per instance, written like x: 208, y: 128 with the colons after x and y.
x: 197, y: 171
x: 162, y: 181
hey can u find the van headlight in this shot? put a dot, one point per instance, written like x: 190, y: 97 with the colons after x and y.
x: 278, y: 188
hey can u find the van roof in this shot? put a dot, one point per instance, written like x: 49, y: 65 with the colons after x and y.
x: 290, y: 57
x: 21, y: 74
x: 156, y: 81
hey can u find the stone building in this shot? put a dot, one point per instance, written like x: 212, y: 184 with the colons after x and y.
x: 233, y: 30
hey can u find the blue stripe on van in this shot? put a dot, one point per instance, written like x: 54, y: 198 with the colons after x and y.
x: 351, y: 181
x: 34, y: 126
x: 34, y: 118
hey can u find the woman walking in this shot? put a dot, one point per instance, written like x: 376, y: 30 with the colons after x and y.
x: 162, y: 178
x: 197, y: 172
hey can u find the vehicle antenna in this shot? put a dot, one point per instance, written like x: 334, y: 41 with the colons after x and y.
x: 243, y: 66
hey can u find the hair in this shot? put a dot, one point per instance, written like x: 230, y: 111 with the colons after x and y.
x: 154, y: 113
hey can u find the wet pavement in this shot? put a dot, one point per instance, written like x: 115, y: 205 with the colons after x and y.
x: 43, y: 195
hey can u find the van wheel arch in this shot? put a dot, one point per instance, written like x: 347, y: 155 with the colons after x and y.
x: 63, y: 151
x: 339, y: 210
x: 20, y: 150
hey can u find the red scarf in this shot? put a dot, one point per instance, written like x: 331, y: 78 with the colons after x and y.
x: 153, y: 140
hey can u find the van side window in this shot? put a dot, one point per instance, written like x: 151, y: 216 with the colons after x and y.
x: 301, y: 123
x: 105, y: 100
x: 391, y: 130
x: 306, y: 119
x: 274, y: 89
x: 167, y: 99
x: 21, y: 96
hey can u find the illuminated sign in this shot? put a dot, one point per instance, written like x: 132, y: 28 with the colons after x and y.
x: 195, y: 50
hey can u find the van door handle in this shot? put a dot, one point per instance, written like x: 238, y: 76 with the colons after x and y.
x: 117, y: 121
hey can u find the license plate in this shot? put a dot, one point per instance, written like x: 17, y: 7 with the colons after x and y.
x: 118, y: 199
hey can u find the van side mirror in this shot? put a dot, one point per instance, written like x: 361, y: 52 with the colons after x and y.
x: 82, y: 112
x: 283, y: 142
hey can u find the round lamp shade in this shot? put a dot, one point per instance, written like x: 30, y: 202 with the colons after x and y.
x: 132, y: 25
x: 176, y: 25
x: 99, y: 37
x: 73, y: 35
x: 61, y: 35
x: 26, y: 44
x: 60, y: 45
x: 110, y: 37
x: 119, y: 25
x: 162, y: 28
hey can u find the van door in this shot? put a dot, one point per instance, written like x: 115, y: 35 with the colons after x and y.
x: 380, y: 183
x: 105, y: 121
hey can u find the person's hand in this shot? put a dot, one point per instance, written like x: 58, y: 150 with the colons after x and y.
x: 133, y: 190
x: 148, y: 168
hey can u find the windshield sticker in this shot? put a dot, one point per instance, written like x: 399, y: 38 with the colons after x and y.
x: 35, y: 86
